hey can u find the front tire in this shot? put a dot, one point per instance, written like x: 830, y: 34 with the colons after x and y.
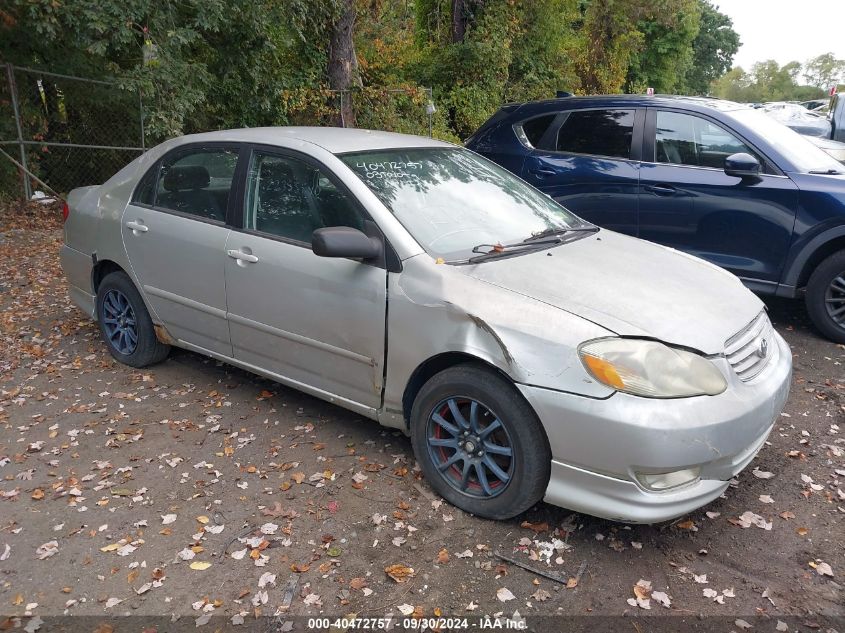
x: 479, y: 443
x: 125, y: 324
x: 825, y: 297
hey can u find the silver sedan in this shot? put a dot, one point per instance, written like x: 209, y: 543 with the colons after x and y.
x: 528, y: 354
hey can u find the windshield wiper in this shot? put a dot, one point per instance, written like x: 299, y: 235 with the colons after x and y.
x: 546, y: 237
x: 540, y: 235
x: 826, y: 172
x: 500, y: 250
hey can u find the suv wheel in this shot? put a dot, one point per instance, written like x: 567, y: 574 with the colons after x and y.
x: 125, y: 324
x: 826, y: 297
x: 479, y: 444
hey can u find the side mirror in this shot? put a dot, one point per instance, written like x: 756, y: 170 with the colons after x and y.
x: 742, y: 165
x: 344, y: 241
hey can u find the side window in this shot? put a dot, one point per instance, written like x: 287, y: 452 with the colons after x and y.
x: 145, y: 191
x: 536, y: 127
x: 198, y: 182
x: 684, y: 139
x: 290, y: 198
x: 597, y: 132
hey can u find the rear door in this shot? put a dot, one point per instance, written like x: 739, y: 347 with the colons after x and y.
x: 588, y: 161
x: 174, y: 231
x: 688, y: 202
x: 316, y: 322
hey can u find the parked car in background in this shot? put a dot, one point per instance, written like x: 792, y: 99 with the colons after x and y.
x: 528, y: 353
x: 719, y: 180
x: 815, y: 127
x: 800, y: 119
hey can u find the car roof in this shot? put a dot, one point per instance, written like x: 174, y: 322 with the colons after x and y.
x: 333, y: 139
x: 701, y: 104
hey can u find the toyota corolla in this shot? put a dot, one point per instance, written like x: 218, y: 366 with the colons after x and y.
x: 528, y: 354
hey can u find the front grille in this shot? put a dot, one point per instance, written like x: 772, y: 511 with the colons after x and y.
x: 751, y: 349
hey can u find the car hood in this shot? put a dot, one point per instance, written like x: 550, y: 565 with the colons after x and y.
x: 631, y: 287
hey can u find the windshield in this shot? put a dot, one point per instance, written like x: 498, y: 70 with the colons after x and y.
x: 451, y: 200
x: 795, y: 148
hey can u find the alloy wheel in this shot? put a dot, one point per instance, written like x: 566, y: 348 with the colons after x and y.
x: 119, y: 322
x: 834, y: 299
x: 470, y: 447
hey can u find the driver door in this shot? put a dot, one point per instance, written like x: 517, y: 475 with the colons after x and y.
x: 688, y: 202
x: 316, y: 323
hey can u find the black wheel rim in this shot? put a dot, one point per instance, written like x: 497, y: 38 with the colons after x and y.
x: 119, y: 322
x: 470, y: 447
x: 834, y: 300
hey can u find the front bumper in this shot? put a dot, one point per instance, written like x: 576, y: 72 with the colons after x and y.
x: 599, y: 445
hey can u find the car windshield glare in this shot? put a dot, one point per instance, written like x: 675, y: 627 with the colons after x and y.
x: 451, y: 200
x: 803, y: 155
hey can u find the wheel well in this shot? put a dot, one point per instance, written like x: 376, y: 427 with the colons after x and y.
x: 820, y: 254
x: 435, y: 365
x: 101, y: 269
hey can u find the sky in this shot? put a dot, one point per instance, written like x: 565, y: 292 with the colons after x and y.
x: 786, y: 30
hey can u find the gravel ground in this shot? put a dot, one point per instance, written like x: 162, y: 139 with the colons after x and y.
x: 193, y: 488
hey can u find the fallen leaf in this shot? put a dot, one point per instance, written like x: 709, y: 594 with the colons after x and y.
x: 661, y: 598
x: 504, y: 594
x: 47, y: 550
x: 406, y: 609
x: 442, y: 556
x: 535, y: 527
x: 200, y: 565
x: 541, y: 595
x: 399, y: 573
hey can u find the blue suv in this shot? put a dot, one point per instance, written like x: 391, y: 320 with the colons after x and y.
x: 716, y: 179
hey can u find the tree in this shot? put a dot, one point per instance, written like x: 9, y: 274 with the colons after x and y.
x: 343, y: 64
x: 767, y: 81
x: 824, y: 71
x: 608, y: 40
x: 669, y: 28
x: 713, y: 50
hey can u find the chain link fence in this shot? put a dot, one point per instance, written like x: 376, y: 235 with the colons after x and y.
x: 65, y: 131
x: 58, y: 132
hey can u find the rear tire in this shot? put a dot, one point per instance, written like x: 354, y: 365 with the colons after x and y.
x: 826, y: 297
x: 125, y: 324
x: 479, y: 443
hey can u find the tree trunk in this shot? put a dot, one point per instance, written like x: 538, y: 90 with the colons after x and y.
x: 343, y: 65
x: 459, y: 25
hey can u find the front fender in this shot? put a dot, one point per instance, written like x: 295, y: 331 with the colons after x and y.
x: 433, y: 309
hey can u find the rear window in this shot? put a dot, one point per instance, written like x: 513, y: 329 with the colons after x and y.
x: 597, y: 132
x: 536, y: 127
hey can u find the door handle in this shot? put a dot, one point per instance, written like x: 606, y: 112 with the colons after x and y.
x: 137, y: 227
x: 241, y: 256
x: 661, y: 190
x: 542, y: 172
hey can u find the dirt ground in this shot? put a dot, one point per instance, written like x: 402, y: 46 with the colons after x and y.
x: 194, y: 489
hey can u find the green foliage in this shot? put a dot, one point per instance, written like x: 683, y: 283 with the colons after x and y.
x: 767, y: 81
x: 824, y: 71
x: 210, y: 64
x: 713, y: 50
x: 669, y: 28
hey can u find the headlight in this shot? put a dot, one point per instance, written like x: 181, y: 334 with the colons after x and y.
x: 650, y: 369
